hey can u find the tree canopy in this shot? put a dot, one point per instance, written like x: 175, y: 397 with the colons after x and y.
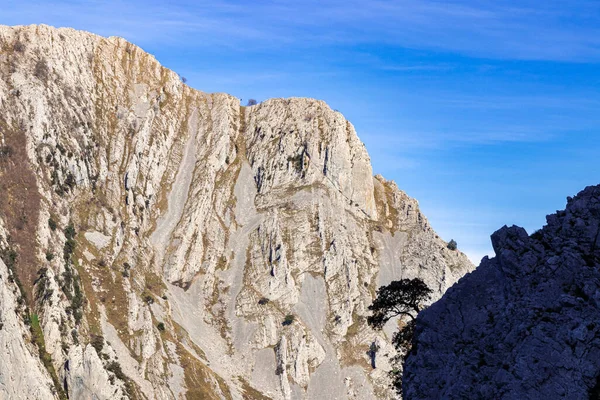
x: 400, y: 298
x: 403, y: 297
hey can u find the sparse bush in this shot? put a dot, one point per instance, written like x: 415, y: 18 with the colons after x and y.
x: 296, y: 161
x: 251, y: 102
x: 41, y: 70
x: 289, y: 319
x: 70, y: 181
x: 452, y: 245
x: 71, y: 285
x: 115, y: 368
x: 75, y: 336
x: 68, y: 249
x: 97, y: 342
x: 52, y: 224
x: 9, y: 256
x: 19, y: 47
x: 148, y: 298
x: 263, y: 301
x: 70, y: 242
x: 77, y: 303
x: 70, y: 231
x: 49, y: 256
x: 161, y: 326
x: 5, y: 152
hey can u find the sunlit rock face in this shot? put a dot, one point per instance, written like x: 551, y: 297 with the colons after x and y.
x: 524, y: 324
x: 174, y: 244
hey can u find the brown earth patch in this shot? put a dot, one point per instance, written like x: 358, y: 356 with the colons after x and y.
x: 19, y: 203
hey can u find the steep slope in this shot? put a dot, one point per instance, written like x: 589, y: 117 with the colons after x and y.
x: 163, y: 234
x: 524, y: 324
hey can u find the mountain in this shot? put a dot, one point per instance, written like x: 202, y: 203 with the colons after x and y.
x: 524, y: 324
x: 160, y: 242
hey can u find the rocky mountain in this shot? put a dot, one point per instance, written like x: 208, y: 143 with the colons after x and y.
x: 158, y: 242
x: 524, y: 324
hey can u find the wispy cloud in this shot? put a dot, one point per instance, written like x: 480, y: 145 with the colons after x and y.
x: 418, y: 67
x: 491, y: 102
x: 410, y: 141
x: 549, y: 30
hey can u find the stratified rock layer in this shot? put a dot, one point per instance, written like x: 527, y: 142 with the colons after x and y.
x: 525, y: 324
x: 164, y: 235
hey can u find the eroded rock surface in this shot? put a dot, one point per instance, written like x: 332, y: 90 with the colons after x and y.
x: 169, y: 232
x: 524, y: 324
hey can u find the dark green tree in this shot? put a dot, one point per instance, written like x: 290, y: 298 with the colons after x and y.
x: 452, y: 245
x: 403, y: 298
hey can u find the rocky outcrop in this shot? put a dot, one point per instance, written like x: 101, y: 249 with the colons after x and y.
x: 178, y: 244
x: 524, y: 324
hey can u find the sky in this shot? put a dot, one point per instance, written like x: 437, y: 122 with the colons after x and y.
x: 487, y: 112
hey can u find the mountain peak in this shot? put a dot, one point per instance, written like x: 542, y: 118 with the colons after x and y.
x: 173, y: 243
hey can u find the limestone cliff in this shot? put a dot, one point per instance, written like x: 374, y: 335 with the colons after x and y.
x: 167, y: 243
x: 524, y: 324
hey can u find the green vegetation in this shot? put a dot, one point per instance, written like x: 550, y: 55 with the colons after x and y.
x: 402, y: 298
x: 296, y: 162
x: 115, y: 368
x: 126, y: 268
x: 52, y: 224
x: 289, y: 319
x: 161, y: 326
x: 263, y: 301
x: 97, y: 342
x: 37, y: 336
x: 148, y: 298
x: 452, y: 244
x: 42, y: 292
x: 9, y: 256
x: 71, y: 285
x: 41, y: 70
x: 69, y: 243
x: 5, y: 152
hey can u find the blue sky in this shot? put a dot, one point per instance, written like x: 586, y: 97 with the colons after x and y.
x: 485, y: 111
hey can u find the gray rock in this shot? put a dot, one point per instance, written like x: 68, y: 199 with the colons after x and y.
x: 524, y: 324
x: 189, y: 211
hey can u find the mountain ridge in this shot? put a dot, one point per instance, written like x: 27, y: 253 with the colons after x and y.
x: 169, y: 233
x: 525, y: 321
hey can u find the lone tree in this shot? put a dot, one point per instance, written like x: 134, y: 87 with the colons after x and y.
x: 452, y: 244
x: 251, y: 102
x: 402, y: 298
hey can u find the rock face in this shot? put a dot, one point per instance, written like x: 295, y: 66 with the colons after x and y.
x: 173, y: 244
x: 524, y: 324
